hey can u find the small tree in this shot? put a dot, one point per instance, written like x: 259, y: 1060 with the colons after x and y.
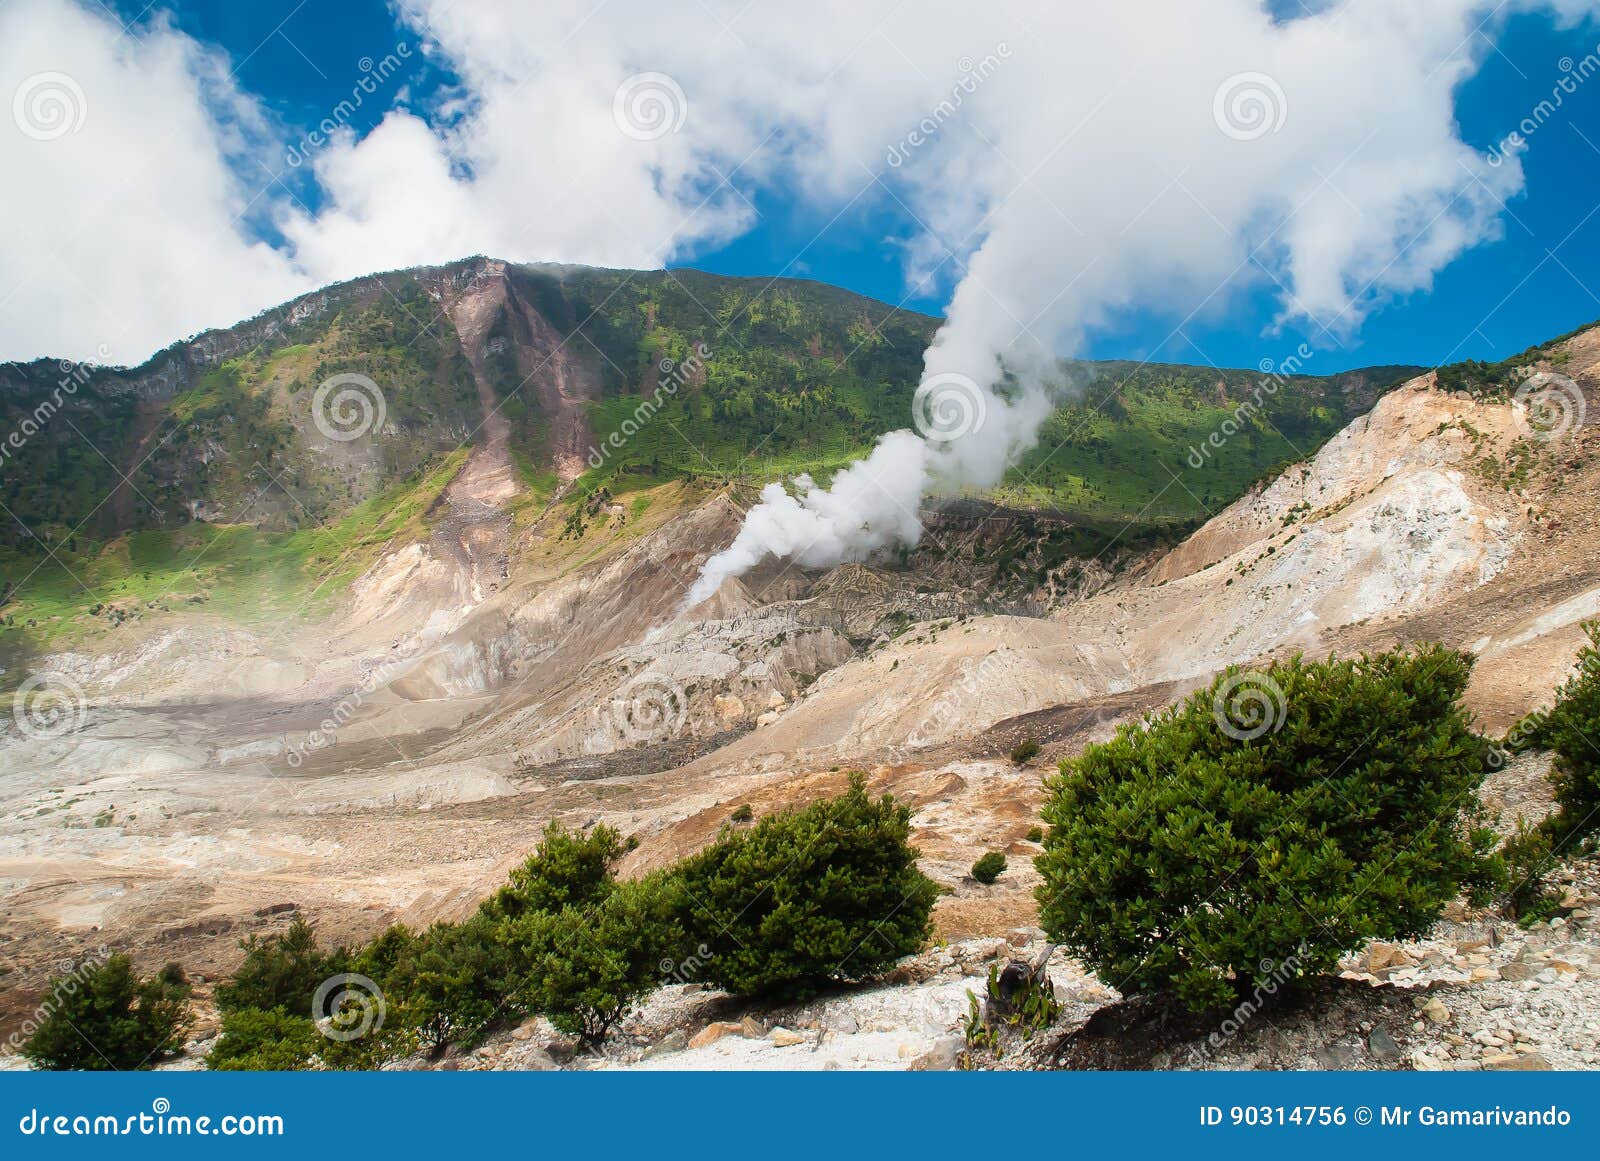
x: 1211, y: 852
x: 454, y: 982
x: 256, y: 1041
x: 989, y: 868
x: 568, y: 869
x: 808, y: 897
x: 106, y: 1018
x: 586, y: 967
x: 1568, y: 728
x: 281, y: 972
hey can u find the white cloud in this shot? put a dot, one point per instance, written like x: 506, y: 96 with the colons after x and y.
x: 122, y: 235
x: 1083, y: 175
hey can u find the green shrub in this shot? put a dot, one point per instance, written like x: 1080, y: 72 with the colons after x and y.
x: 1036, y: 834
x: 742, y: 813
x: 104, y: 1017
x: 586, y: 967
x: 808, y: 897
x: 1568, y: 728
x: 257, y: 1041
x: 1268, y: 825
x: 568, y: 869
x: 1025, y: 753
x: 281, y: 972
x: 454, y: 982
x: 989, y: 868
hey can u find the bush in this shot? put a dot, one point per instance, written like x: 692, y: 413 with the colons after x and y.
x: 568, y: 869
x: 454, y: 982
x: 281, y: 972
x: 988, y: 868
x: 586, y: 967
x: 1036, y: 834
x: 1025, y: 753
x: 256, y: 1041
x: 808, y: 897
x: 106, y: 1018
x: 742, y: 813
x: 1214, y: 850
x: 1566, y: 728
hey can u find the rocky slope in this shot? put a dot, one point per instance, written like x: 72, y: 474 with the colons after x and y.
x: 519, y: 655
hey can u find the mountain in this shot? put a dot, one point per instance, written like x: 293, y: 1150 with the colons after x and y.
x: 223, y: 472
x: 360, y: 688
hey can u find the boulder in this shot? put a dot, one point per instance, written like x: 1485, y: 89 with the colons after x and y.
x: 1382, y: 1045
x: 784, y: 1038
x: 711, y: 1033
x: 943, y: 1056
x: 1516, y: 1062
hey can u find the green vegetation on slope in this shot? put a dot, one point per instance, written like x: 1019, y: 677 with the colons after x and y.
x: 246, y: 573
x: 234, y: 501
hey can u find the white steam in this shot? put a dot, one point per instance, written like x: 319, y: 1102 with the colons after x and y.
x: 967, y: 435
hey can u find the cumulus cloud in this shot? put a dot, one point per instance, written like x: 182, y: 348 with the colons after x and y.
x: 126, y: 189
x: 1061, y: 165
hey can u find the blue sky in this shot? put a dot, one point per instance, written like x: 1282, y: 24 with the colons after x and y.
x: 1540, y: 279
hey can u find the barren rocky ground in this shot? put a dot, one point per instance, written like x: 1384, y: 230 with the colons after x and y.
x: 499, y: 674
